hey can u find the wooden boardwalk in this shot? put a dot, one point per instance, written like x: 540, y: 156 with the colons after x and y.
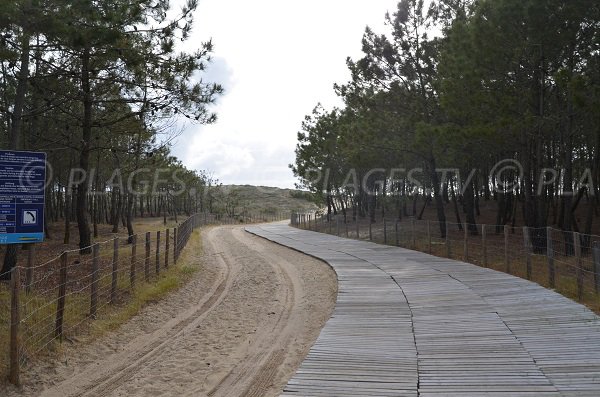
x: 410, y: 324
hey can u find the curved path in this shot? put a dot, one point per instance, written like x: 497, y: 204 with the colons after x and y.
x: 240, y: 327
x: 410, y: 324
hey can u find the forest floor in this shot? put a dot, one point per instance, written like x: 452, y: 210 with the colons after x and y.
x: 241, y: 325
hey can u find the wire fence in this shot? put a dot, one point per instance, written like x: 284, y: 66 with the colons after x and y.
x: 568, y: 262
x: 53, y: 301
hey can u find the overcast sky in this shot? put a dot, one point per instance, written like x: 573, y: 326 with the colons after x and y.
x: 277, y: 60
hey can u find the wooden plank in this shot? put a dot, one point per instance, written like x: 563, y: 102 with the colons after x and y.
x: 407, y: 323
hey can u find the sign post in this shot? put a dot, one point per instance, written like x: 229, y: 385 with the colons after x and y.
x: 22, y: 182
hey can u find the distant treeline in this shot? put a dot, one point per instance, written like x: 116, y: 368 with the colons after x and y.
x: 490, y: 99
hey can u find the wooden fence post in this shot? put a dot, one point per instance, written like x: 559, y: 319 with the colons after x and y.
x: 94, y: 289
x: 596, y: 256
x: 448, y: 248
x: 413, y: 243
x: 174, y: 245
x: 158, y: 252
x: 384, y: 232
x: 357, y: 229
x: 167, y: 243
x: 115, y: 271
x: 484, y: 245
x: 579, y: 266
x: 147, y: 258
x: 527, y: 245
x: 329, y: 223
x: 466, y: 242
x: 29, y: 271
x: 370, y: 230
x: 396, y: 228
x: 62, y: 292
x: 133, y: 260
x: 429, y: 237
x: 506, y: 258
x: 15, y: 319
x: 550, y: 256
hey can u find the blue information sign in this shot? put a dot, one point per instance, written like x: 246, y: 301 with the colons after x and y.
x: 22, y: 182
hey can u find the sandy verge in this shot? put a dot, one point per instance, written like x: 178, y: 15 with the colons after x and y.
x: 241, y: 326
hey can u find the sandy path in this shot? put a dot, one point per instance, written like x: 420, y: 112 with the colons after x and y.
x: 241, y: 327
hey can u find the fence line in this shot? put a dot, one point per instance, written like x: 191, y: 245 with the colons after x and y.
x: 568, y: 262
x: 46, y: 303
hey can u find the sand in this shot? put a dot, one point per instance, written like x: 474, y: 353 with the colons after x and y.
x: 240, y: 327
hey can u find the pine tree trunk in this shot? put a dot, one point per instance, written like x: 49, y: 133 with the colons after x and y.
x: 85, y: 239
x: 10, y: 257
x: 439, y: 200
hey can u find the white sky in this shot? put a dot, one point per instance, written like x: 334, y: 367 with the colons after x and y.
x: 277, y: 60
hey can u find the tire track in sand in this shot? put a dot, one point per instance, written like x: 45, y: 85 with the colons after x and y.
x: 247, y: 336
x: 114, y: 373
